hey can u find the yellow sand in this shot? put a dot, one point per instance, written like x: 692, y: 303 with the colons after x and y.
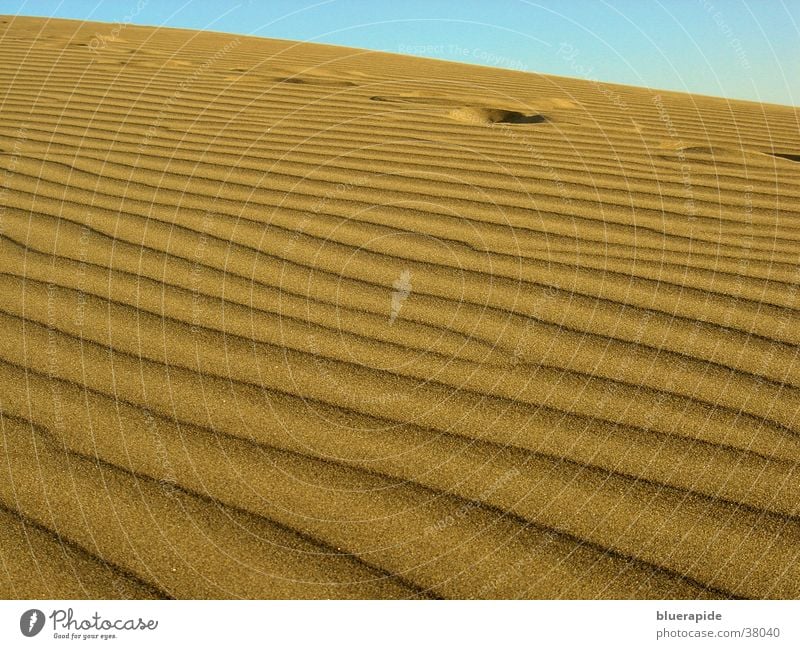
x: 281, y: 320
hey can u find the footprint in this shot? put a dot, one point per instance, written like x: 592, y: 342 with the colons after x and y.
x: 794, y: 157
x: 702, y: 154
x: 715, y: 151
x: 317, y: 81
x: 720, y: 155
x: 467, y: 114
x: 413, y: 99
x: 472, y: 115
x: 110, y: 61
x: 557, y: 102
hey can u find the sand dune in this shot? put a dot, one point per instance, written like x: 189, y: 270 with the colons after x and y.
x: 283, y: 320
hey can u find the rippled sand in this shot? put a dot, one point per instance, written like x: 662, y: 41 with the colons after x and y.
x: 282, y: 320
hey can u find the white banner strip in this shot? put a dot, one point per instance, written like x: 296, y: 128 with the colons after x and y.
x: 385, y: 625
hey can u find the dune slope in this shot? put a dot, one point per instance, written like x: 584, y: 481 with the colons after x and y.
x: 284, y: 320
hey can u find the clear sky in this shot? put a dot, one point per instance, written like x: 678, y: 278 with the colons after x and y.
x: 746, y: 49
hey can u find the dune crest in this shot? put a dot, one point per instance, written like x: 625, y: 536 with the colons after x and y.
x: 494, y: 116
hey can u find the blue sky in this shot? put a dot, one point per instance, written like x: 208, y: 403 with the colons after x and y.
x: 746, y: 49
